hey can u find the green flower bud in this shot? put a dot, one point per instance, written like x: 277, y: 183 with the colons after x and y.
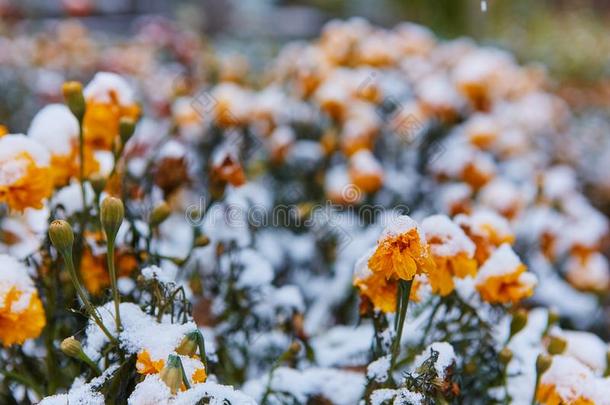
x: 112, y: 213
x: 73, y: 94
x: 159, y: 214
x: 171, y: 374
x: 62, y: 236
x: 189, y: 344
x: 98, y: 183
x: 543, y: 362
x: 557, y: 345
x: 553, y: 318
x: 71, y: 347
x: 518, y: 322
x: 202, y: 241
x: 127, y: 127
x: 506, y: 355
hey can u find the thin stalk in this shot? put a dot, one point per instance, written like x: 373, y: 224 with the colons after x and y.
x: 91, y: 364
x: 23, y: 380
x: 83, y: 296
x: 534, y: 402
x: 113, y: 283
x: 404, y: 291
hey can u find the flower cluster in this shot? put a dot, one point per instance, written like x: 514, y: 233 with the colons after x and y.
x: 430, y: 248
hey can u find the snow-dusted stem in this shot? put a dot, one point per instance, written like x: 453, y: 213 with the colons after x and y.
x: 83, y: 296
x: 404, y: 291
x: 113, y: 281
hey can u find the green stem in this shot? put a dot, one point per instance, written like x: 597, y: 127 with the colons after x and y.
x: 534, y: 402
x: 90, y: 363
x: 113, y: 282
x: 83, y: 296
x: 84, y: 215
x: 23, y: 380
x: 404, y: 290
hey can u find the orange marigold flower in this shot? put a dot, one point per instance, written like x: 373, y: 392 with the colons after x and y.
x: 199, y: 375
x: 22, y: 316
x: 365, y: 171
x: 146, y: 365
x: 570, y: 382
x: 109, y: 98
x: 402, y: 251
x: 380, y: 291
x: 94, y: 273
x: 452, y: 251
x: 588, y: 272
x: 487, y: 230
x: 227, y: 169
x: 25, y: 176
x: 503, y: 278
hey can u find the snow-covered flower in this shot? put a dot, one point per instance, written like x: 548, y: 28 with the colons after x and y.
x: 22, y: 316
x: 503, y: 278
x: 109, y: 98
x: 25, y: 175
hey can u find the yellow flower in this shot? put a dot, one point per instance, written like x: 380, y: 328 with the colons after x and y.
x: 452, y: 251
x: 569, y: 382
x: 109, y: 98
x: 22, y: 316
x: 146, y: 365
x: 199, y: 375
x: 25, y: 176
x: 402, y: 251
x: 588, y: 271
x: 487, y: 230
x: 365, y: 171
x: 377, y: 289
x: 503, y: 278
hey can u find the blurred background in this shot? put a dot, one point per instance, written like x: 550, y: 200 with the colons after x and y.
x: 44, y: 42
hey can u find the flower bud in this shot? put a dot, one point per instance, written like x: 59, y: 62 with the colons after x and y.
x: 557, y: 345
x: 202, y: 241
x: 295, y: 348
x: 73, y: 94
x: 159, y: 214
x: 553, y: 318
x: 171, y: 374
x: 127, y: 127
x: 98, y: 183
x: 61, y: 235
x: 518, y: 322
x: 543, y: 362
x: 71, y: 347
x: 506, y: 355
x: 189, y: 344
x: 112, y: 213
